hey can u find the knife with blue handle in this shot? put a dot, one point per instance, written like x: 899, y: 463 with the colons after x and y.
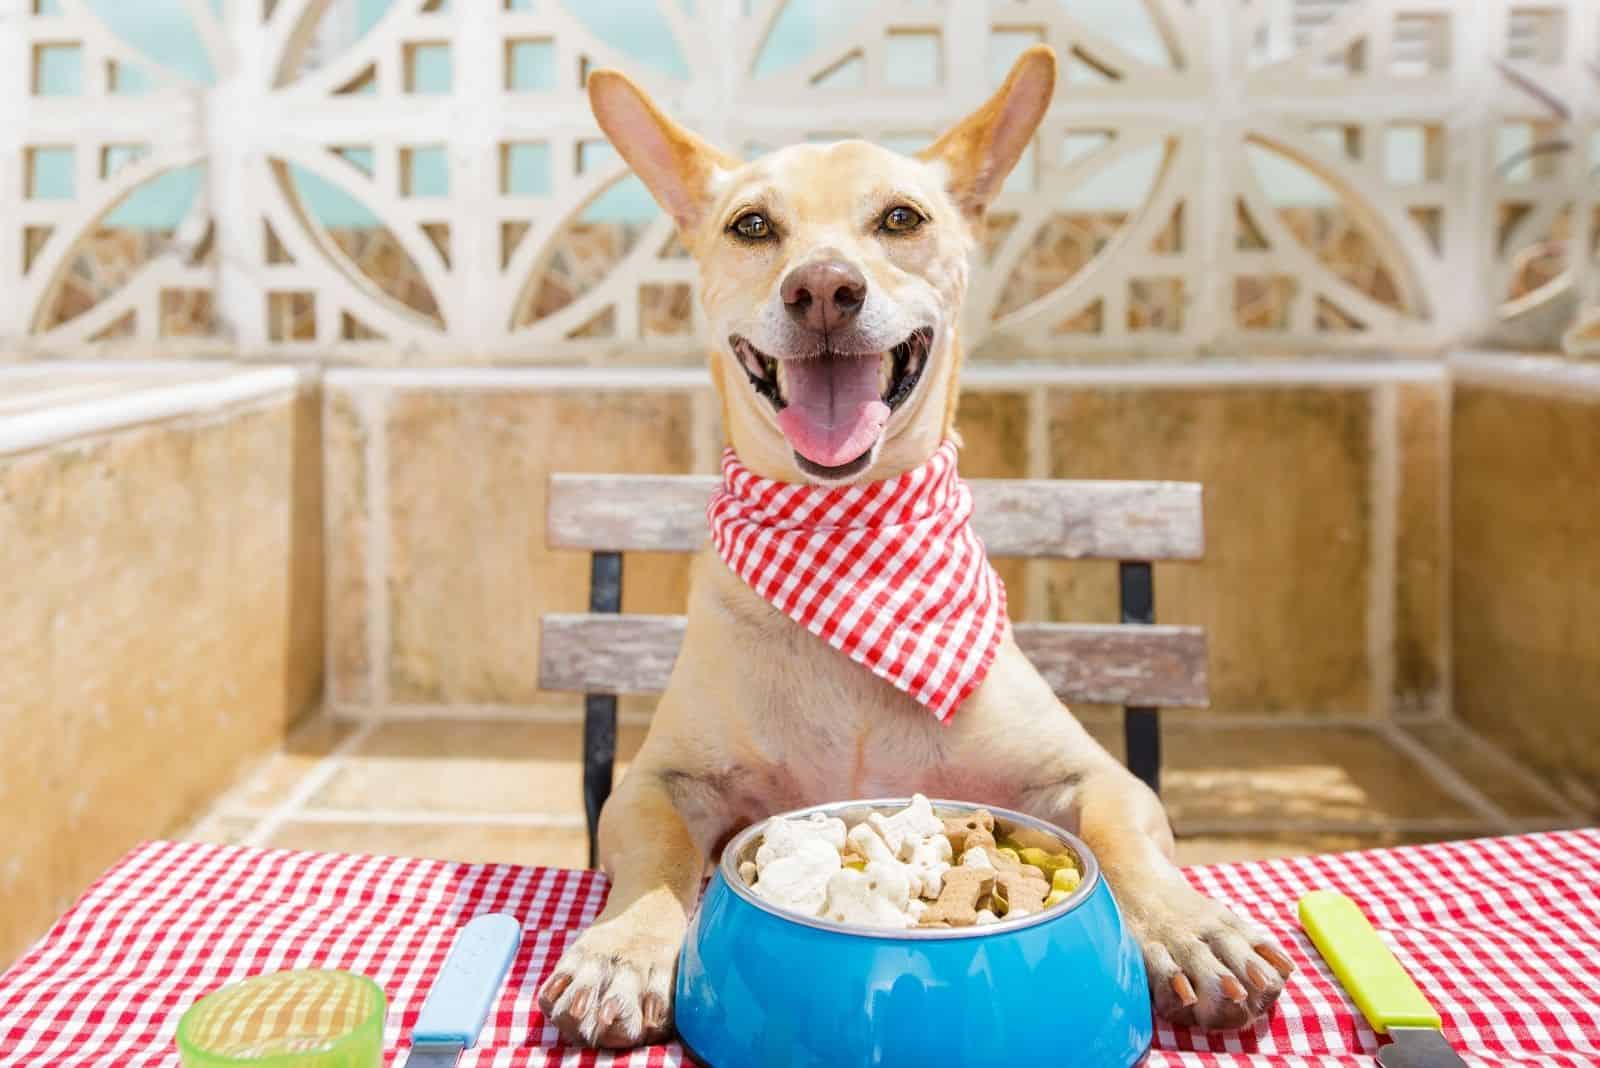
x: 460, y: 999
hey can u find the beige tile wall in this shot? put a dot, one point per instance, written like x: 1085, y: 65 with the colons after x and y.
x: 1526, y: 570
x: 438, y: 568
x: 1321, y: 585
x: 160, y: 626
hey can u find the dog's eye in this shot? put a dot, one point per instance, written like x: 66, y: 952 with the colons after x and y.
x: 752, y: 226
x: 901, y: 219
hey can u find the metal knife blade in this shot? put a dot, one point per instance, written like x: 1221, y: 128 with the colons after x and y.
x: 1418, y: 1047
x: 1382, y: 990
x: 443, y: 1055
x: 460, y: 998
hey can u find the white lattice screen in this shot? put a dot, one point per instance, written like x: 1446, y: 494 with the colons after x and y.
x: 1387, y: 176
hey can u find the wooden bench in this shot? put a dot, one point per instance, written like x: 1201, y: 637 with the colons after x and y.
x: 1137, y: 664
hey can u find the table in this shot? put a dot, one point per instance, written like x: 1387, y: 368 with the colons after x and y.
x: 1503, y: 934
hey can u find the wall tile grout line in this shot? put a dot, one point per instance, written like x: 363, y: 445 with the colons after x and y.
x: 1452, y: 781
x: 1445, y: 701
x: 1384, y: 533
x: 376, y: 413
x: 1517, y: 770
x: 315, y: 779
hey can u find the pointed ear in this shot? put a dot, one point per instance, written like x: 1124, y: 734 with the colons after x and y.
x: 675, y: 165
x: 980, y: 150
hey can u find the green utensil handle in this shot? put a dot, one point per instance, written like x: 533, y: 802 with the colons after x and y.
x: 1382, y: 990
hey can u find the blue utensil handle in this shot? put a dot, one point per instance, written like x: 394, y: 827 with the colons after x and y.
x: 459, y: 1002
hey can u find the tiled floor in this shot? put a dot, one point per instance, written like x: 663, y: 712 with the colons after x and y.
x: 509, y: 790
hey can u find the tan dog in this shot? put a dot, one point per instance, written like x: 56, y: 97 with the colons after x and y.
x: 831, y: 277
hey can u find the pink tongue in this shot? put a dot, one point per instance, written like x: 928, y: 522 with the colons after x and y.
x: 834, y: 413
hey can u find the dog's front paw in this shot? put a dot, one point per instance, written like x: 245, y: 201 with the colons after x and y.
x: 1208, y: 968
x: 613, y: 987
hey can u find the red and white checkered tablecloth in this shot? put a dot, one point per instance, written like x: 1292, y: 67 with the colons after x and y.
x: 1502, y: 934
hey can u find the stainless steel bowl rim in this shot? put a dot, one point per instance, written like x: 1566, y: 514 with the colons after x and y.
x: 729, y: 867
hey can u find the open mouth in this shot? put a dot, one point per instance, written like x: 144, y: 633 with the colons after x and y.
x: 832, y: 408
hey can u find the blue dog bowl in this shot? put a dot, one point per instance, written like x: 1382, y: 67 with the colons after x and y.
x: 763, y: 987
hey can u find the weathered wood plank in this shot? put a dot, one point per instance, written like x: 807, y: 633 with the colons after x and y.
x: 595, y: 653
x: 1161, y: 666
x: 1015, y: 517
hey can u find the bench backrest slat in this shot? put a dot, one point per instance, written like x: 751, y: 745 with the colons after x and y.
x: 1029, y: 518
x: 1088, y: 663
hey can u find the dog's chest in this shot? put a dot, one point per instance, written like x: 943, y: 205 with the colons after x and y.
x: 827, y: 726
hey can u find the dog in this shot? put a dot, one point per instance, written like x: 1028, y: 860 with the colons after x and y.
x: 809, y: 258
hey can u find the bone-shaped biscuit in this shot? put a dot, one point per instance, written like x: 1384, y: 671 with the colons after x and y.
x: 1024, y: 894
x: 877, y: 897
x: 958, y: 828
x: 927, y: 857
x: 915, y: 821
x: 958, y: 899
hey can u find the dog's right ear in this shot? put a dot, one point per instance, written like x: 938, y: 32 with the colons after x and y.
x: 676, y: 166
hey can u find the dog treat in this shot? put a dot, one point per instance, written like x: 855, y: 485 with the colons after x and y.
x: 915, y: 820
x: 977, y: 858
x: 1024, y: 894
x: 796, y: 859
x: 957, y: 828
x: 799, y: 880
x: 911, y: 868
x: 924, y: 858
x: 877, y: 897
x: 958, y: 900
x: 1047, y: 863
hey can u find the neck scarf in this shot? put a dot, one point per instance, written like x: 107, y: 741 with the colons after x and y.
x: 889, y: 573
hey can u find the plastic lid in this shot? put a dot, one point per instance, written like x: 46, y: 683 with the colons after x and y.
x: 300, y: 1019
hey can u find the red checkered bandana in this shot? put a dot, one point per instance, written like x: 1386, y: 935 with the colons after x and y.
x: 889, y: 573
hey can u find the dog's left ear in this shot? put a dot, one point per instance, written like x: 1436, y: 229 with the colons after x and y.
x: 980, y: 150
x: 675, y: 165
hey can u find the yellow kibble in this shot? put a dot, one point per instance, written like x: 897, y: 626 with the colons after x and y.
x: 1056, y: 897
x: 1008, y: 852
x: 1065, y: 880
x: 856, y: 864
x: 1046, y: 862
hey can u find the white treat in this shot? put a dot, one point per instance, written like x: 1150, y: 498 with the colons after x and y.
x: 923, y: 857
x: 928, y: 858
x: 877, y: 897
x: 977, y: 858
x: 799, y: 879
x: 783, y: 837
x: 866, y: 840
x: 747, y: 871
x: 916, y: 820
x: 985, y: 917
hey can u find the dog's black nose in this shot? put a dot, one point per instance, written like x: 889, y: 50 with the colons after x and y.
x: 824, y: 294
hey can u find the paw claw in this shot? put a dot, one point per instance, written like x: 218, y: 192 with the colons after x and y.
x: 613, y: 987
x: 554, y: 987
x: 1200, y: 955
x: 655, y: 1010
x: 1276, y: 957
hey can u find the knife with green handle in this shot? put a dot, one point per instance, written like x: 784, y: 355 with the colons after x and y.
x: 1382, y: 990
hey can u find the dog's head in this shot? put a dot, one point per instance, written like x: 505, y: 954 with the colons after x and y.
x: 832, y: 275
